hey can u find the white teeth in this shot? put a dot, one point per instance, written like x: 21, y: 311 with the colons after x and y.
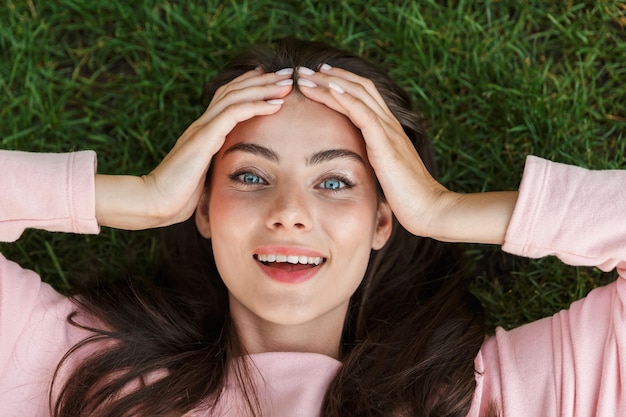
x: 292, y: 259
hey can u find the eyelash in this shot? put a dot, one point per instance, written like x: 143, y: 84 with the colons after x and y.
x: 347, y: 184
x: 236, y: 178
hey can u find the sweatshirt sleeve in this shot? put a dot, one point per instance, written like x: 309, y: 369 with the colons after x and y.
x: 54, y: 192
x: 573, y: 213
x: 573, y: 363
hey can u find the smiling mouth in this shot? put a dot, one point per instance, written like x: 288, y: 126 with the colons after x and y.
x: 289, y: 263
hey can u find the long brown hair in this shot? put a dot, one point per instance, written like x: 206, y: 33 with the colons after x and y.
x: 410, y: 337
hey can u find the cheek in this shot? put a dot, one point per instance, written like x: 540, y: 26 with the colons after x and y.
x: 229, y: 222
x: 351, y: 225
x: 229, y: 210
x: 221, y: 214
x: 356, y: 217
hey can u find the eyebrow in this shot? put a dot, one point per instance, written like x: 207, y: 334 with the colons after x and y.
x: 325, y: 156
x: 315, y: 159
x: 254, y: 149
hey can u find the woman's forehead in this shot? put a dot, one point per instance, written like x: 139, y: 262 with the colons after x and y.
x: 301, y: 124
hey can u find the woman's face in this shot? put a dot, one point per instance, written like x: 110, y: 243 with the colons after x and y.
x: 293, y: 213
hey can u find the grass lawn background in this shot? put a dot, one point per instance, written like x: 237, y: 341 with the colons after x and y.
x: 494, y: 80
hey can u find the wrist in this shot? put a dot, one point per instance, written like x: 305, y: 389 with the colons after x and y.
x: 121, y: 202
x: 475, y: 217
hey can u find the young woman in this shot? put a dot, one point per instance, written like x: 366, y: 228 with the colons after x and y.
x: 304, y: 273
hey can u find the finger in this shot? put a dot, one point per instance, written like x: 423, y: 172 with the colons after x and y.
x: 343, y: 80
x: 349, y: 76
x: 248, y: 74
x: 368, y: 84
x: 382, y: 136
x: 252, y: 78
x: 250, y: 88
x: 321, y: 95
x: 249, y: 94
x: 236, y: 113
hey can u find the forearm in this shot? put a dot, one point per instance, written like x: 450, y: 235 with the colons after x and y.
x: 475, y: 218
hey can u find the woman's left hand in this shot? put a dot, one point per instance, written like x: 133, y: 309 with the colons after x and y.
x: 420, y: 203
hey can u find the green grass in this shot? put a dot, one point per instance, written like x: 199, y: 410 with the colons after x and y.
x: 494, y: 80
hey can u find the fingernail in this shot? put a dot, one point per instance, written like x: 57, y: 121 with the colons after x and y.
x: 305, y: 71
x: 306, y: 83
x: 284, y: 71
x: 336, y: 87
x: 275, y: 101
x: 288, y: 81
x: 325, y: 67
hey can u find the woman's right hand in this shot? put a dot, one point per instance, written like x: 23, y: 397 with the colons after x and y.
x: 170, y: 193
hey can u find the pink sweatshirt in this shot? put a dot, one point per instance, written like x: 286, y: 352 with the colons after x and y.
x: 571, y: 364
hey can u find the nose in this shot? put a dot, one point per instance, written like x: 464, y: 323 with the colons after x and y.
x: 289, y: 210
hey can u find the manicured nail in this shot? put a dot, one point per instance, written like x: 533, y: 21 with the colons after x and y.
x: 288, y: 81
x: 336, y: 87
x: 325, y: 67
x: 275, y: 101
x: 305, y: 71
x: 306, y: 83
x: 284, y: 71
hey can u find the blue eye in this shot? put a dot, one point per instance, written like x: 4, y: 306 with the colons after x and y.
x: 250, y: 179
x: 332, y: 184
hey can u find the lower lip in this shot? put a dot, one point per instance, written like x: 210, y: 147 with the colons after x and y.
x: 293, y: 277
